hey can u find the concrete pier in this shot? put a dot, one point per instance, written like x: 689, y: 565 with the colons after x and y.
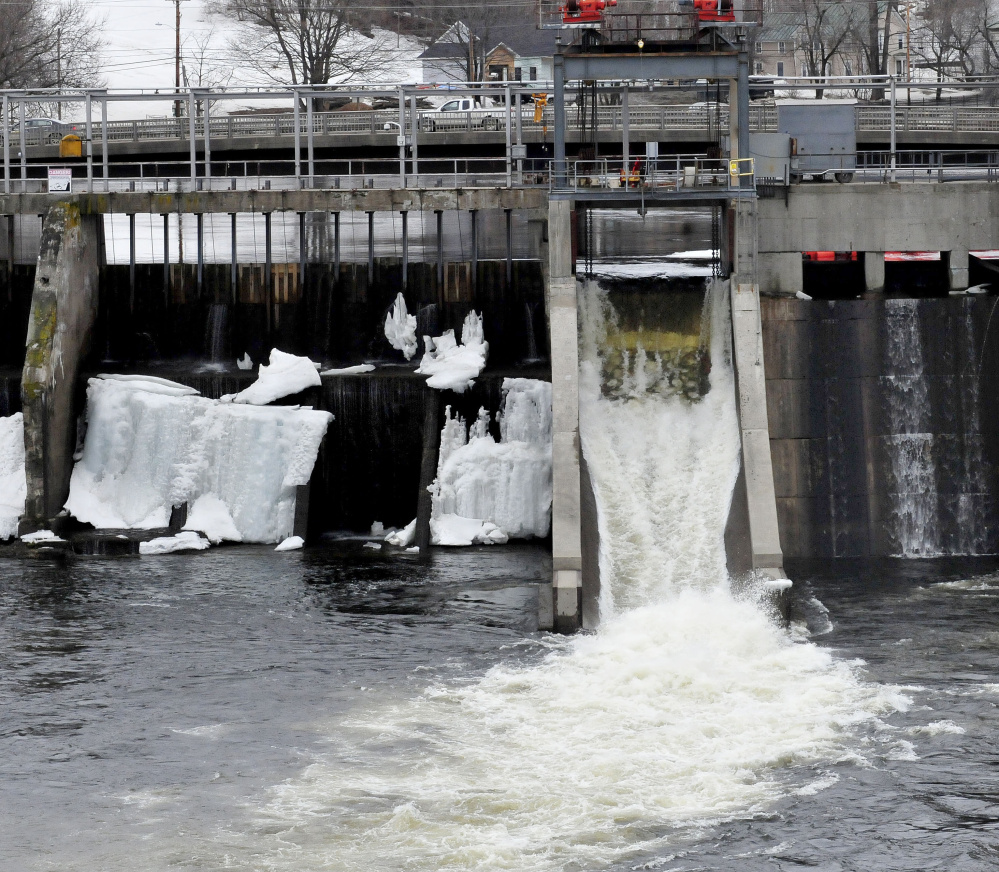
x: 63, y: 312
x: 567, y: 561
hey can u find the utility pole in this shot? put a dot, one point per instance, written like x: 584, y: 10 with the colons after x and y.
x: 177, y: 103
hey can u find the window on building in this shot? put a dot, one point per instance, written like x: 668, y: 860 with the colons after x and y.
x: 898, y: 68
x: 804, y: 70
x: 847, y: 68
x: 534, y: 74
x: 759, y: 47
x: 518, y: 74
x: 759, y: 68
x: 781, y: 48
x: 900, y: 41
x: 780, y: 68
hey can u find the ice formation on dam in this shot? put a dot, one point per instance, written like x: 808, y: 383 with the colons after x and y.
x: 13, y: 489
x: 487, y: 491
x: 454, y: 366
x: 286, y: 374
x: 152, y: 444
x: 400, y: 328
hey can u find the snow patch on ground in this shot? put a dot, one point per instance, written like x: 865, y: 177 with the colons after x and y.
x: 400, y: 328
x: 284, y: 375
x: 170, y: 544
x: 146, y: 451
x: 13, y: 488
x: 453, y: 366
x: 488, y: 491
x: 40, y: 537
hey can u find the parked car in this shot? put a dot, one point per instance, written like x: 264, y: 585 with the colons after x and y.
x: 461, y: 115
x: 42, y: 131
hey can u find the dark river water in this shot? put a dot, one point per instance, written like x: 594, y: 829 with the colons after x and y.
x: 243, y: 709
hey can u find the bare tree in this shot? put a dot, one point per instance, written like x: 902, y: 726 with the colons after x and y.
x: 200, y: 70
x: 824, y: 31
x: 462, y: 36
x: 306, y: 42
x: 949, y: 37
x: 48, y: 45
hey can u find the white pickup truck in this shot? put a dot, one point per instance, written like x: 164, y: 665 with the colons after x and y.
x: 462, y: 114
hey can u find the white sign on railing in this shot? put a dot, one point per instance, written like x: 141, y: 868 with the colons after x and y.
x: 60, y: 180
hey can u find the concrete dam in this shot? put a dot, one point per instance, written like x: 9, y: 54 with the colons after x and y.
x: 872, y: 412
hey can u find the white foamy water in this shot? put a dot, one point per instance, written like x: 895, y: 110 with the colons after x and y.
x: 686, y: 708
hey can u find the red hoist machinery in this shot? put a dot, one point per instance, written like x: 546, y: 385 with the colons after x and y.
x: 584, y: 11
x: 711, y: 10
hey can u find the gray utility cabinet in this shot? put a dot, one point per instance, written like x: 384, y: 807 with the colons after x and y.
x: 823, y: 136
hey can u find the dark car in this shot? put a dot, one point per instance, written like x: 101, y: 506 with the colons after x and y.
x: 42, y: 131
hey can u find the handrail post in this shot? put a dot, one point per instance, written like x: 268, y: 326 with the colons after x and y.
x: 192, y: 132
x: 894, y: 158
x: 6, y: 144
x: 24, y: 147
x: 298, y: 135
x: 310, y: 138
x: 509, y: 138
x: 90, y: 142
x: 206, y: 124
x: 104, y: 140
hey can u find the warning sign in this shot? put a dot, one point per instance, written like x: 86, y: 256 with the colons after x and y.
x: 60, y: 180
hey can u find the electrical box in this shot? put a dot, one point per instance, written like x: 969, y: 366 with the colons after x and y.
x: 826, y: 136
x: 771, y: 153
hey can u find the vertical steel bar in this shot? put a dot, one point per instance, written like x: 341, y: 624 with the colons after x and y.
x: 509, y: 137
x: 475, y: 248
x: 233, y: 268
x: 268, y: 282
x: 440, y: 251
x: 90, y: 144
x: 166, y: 258
x: 371, y: 247
x: 131, y: 262
x: 625, y: 132
x: 894, y: 157
x: 509, y: 248
x: 402, y: 137
x: 414, y: 129
x: 310, y: 139
x: 296, y: 113
x: 192, y: 131
x: 302, y: 251
x: 336, y: 246
x: 206, y: 123
x: 559, y: 73
x: 200, y: 223
x: 24, y: 147
x: 6, y: 144
x: 104, y: 141
x: 519, y: 115
x: 405, y: 250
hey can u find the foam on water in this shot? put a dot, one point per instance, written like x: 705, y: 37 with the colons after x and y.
x: 687, y: 707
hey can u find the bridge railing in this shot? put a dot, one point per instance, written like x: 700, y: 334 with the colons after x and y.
x: 669, y: 173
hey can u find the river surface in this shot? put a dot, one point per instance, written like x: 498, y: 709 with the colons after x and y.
x: 221, y: 711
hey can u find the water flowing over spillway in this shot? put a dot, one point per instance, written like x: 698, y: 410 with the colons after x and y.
x: 686, y: 708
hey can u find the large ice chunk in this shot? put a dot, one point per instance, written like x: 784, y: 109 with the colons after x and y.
x: 400, y: 328
x: 499, y: 488
x: 284, y: 375
x: 13, y: 488
x: 454, y: 366
x: 236, y: 466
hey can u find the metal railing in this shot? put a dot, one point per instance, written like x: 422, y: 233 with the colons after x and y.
x: 669, y: 173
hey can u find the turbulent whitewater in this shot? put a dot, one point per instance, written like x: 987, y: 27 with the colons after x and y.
x: 688, y: 706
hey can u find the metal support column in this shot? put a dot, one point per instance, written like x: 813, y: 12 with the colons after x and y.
x: 440, y: 251
x: 90, y: 142
x: 475, y: 248
x: 402, y: 137
x: 405, y: 250
x: 303, y: 250
x: 24, y: 147
x: 894, y: 156
x: 166, y: 257
x: 310, y: 139
x: 625, y: 132
x: 336, y: 246
x: 268, y: 279
x: 371, y: 247
x: 131, y: 261
x: 509, y: 137
x: 414, y: 129
x: 206, y: 124
x: 509, y: 248
x: 6, y: 144
x: 200, y: 223
x: 104, y: 142
x: 559, y: 73
x: 10, y: 244
x: 742, y: 105
x: 192, y: 131
x: 233, y: 277
x: 296, y: 120
x: 518, y: 114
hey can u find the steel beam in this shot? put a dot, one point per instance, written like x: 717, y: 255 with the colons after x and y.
x: 614, y: 67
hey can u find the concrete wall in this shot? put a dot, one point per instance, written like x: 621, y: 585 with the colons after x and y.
x: 950, y: 217
x: 63, y: 311
x: 882, y: 427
